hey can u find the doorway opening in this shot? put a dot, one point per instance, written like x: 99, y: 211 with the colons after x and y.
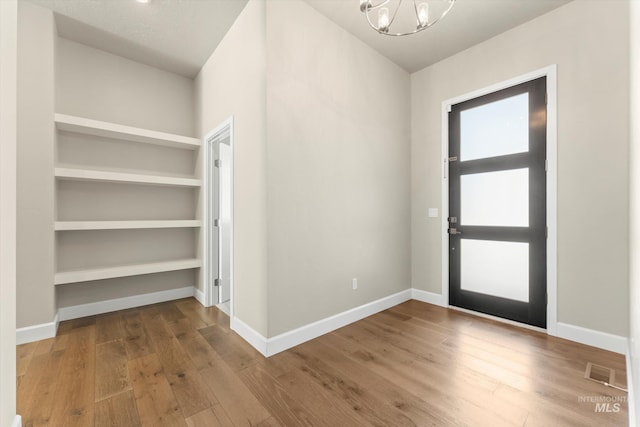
x: 218, y: 274
x: 499, y: 190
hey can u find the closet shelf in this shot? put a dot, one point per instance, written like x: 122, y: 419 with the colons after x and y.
x: 122, y: 177
x: 86, y: 126
x: 124, y: 225
x: 75, y: 276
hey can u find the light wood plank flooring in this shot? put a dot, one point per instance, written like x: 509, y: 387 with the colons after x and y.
x: 179, y: 364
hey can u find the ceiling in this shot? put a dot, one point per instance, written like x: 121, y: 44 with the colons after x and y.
x: 174, y: 35
x: 468, y: 23
x: 180, y: 35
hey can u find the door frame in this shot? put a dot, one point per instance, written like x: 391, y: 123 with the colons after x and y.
x: 214, y: 137
x: 550, y: 73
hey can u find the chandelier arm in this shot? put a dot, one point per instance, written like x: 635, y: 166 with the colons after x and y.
x: 415, y: 9
x: 417, y: 30
x: 372, y: 7
x: 451, y: 2
x: 395, y: 13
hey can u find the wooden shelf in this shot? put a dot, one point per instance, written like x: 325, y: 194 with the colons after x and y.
x: 123, y: 177
x: 124, y: 225
x: 75, y: 276
x: 86, y: 126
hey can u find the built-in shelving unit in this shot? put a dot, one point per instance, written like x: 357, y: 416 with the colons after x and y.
x: 102, y: 146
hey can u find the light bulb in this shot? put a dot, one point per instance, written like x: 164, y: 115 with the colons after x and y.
x: 423, y: 14
x: 383, y: 19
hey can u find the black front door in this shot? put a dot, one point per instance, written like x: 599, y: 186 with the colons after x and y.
x: 497, y: 203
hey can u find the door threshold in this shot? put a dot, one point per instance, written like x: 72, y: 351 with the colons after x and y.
x: 499, y: 319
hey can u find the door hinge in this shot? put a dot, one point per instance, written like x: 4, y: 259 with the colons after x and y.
x: 449, y: 108
x: 546, y: 97
x: 216, y: 223
x: 216, y: 163
x: 546, y: 165
x: 546, y: 232
x: 453, y: 159
x: 216, y: 282
x: 452, y: 219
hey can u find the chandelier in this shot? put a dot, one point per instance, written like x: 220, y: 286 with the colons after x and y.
x: 425, y: 14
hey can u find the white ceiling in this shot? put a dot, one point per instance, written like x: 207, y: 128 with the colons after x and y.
x: 174, y: 35
x: 468, y: 23
x: 179, y: 35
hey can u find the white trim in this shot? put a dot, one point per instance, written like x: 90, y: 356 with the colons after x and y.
x: 250, y: 335
x: 552, y: 200
x: 199, y: 295
x: 603, y: 340
x: 222, y: 131
x: 270, y: 346
x: 37, y: 332
x: 550, y: 73
x: 428, y: 297
x: 631, y: 403
x: 17, y: 421
x: 49, y: 330
x: 91, y: 309
x: 313, y: 330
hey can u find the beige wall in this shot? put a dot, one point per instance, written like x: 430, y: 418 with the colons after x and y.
x: 593, y: 130
x: 99, y: 85
x: 36, y: 140
x: 634, y: 262
x: 8, y: 68
x: 337, y: 169
x: 232, y: 84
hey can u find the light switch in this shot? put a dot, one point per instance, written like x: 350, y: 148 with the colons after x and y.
x: 433, y: 212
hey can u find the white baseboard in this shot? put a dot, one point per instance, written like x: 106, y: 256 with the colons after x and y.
x: 428, y: 297
x: 274, y: 345
x: 17, y: 421
x: 250, y: 335
x: 631, y: 402
x: 37, y: 332
x: 91, y: 309
x: 48, y: 330
x: 593, y: 338
x: 199, y: 295
x: 269, y: 347
x: 579, y: 334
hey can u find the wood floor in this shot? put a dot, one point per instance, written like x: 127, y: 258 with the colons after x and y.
x: 178, y: 364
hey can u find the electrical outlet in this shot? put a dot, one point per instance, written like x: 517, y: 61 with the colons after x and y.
x: 354, y: 284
